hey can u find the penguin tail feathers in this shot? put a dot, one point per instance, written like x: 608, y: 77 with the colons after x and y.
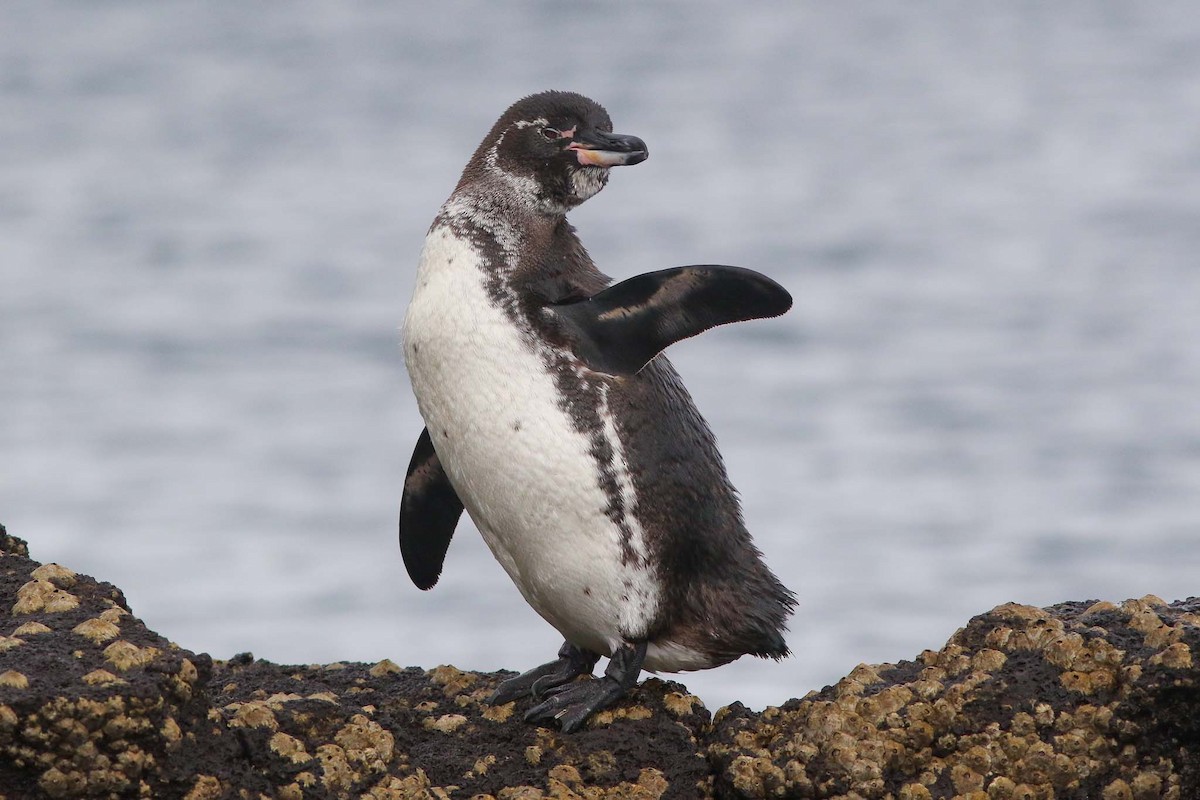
x: 775, y: 648
x: 770, y: 621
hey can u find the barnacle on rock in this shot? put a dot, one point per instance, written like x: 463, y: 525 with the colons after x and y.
x: 97, y: 630
x: 982, y: 716
x: 41, y: 595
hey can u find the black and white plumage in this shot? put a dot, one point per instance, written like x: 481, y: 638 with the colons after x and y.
x: 553, y: 419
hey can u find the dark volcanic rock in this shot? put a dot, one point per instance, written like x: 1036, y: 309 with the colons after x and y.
x: 1082, y: 700
x: 94, y: 704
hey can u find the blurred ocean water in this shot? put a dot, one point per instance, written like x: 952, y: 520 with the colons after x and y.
x: 988, y: 391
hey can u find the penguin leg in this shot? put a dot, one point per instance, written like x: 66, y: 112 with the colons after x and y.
x: 572, y: 662
x: 572, y: 705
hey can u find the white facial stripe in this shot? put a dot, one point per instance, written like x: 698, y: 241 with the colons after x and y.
x: 523, y: 187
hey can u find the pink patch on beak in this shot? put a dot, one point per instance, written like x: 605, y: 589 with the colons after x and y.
x: 597, y: 158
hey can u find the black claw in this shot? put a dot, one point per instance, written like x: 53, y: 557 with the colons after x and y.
x: 541, y: 693
x: 546, y: 686
x: 571, y: 663
x: 571, y: 705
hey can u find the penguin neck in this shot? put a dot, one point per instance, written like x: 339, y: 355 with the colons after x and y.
x: 537, y: 255
x: 512, y: 220
x: 495, y: 200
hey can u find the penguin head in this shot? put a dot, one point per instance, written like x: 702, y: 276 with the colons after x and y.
x: 551, y: 151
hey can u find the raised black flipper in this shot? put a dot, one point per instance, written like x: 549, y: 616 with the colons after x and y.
x: 617, y: 331
x: 429, y: 511
x: 571, y: 705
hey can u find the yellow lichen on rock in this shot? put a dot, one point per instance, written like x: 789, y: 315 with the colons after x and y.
x: 9, y: 642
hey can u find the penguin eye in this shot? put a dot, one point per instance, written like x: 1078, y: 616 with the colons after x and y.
x: 551, y: 134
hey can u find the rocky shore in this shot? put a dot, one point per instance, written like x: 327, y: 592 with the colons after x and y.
x: 1081, y: 700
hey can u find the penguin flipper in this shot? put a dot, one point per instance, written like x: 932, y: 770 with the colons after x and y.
x: 429, y: 511
x: 618, y: 330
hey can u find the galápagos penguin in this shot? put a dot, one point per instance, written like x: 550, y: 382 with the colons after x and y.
x: 554, y: 420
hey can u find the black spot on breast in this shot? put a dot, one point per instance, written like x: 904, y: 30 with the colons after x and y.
x: 445, y: 433
x: 416, y: 347
x: 587, y: 590
x: 516, y: 425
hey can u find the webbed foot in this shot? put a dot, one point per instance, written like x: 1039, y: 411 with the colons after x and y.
x: 571, y: 705
x: 571, y: 663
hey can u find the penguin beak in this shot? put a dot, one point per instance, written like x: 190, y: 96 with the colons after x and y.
x: 599, y: 149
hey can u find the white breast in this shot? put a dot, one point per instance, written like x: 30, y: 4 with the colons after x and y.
x: 523, y: 472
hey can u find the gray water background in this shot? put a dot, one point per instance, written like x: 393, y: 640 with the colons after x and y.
x: 988, y: 389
